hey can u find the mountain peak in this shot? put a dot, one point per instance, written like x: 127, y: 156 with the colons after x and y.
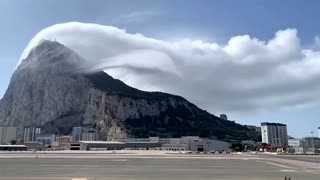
x: 45, y: 46
x: 52, y: 54
x: 44, y: 93
x: 49, y: 45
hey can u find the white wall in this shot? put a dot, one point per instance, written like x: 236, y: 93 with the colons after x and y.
x: 7, y: 134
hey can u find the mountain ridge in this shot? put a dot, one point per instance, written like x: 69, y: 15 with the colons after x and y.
x: 48, y: 90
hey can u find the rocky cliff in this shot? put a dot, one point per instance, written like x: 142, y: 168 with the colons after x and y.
x: 49, y: 91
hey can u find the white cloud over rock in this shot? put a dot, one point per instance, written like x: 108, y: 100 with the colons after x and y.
x: 246, y: 74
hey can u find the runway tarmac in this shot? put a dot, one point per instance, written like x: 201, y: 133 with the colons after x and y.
x: 134, y: 166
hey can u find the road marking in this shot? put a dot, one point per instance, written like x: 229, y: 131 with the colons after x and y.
x: 63, y: 166
x: 64, y: 178
x: 280, y: 165
x: 34, y: 178
x: 288, y: 170
x: 71, y: 165
x: 119, y: 160
x: 275, y: 164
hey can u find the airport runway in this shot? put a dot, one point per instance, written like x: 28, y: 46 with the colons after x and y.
x: 303, y: 158
x: 85, y: 166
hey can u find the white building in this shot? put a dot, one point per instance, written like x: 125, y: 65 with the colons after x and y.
x: 88, y: 136
x: 96, y: 145
x: 295, y: 146
x: 46, y: 139
x: 169, y: 144
x: 274, y: 134
x: 207, y: 145
x: 150, y: 139
x: 30, y: 133
x: 293, y: 142
x: 178, y: 144
x: 7, y: 134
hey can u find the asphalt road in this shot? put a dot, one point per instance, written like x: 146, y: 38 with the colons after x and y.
x: 126, y: 167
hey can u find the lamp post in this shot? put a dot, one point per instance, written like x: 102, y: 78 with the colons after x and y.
x: 313, y: 148
x: 303, y: 142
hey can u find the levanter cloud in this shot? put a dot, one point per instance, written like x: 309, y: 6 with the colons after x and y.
x: 245, y: 74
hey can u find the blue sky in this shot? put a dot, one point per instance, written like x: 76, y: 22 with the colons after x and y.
x: 212, y: 21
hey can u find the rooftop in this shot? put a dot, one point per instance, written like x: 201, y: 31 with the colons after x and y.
x: 12, y: 146
x: 101, y: 142
x: 272, y: 124
x: 314, y: 138
x: 141, y: 142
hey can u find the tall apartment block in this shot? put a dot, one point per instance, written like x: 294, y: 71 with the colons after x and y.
x: 274, y: 134
x: 30, y: 133
x: 76, y: 134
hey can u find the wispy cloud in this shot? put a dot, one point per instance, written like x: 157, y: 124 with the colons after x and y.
x: 316, y: 42
x: 138, y: 16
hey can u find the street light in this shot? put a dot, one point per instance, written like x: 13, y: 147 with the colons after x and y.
x: 313, y: 148
x: 303, y: 146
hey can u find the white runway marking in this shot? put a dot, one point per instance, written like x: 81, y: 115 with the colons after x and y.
x: 120, y: 160
x: 275, y: 164
x: 71, y: 165
x: 34, y: 178
x: 288, y: 170
x: 280, y: 165
x: 66, y: 178
x: 110, y: 165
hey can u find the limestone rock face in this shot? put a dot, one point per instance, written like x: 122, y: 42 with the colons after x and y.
x: 49, y: 90
x: 44, y: 89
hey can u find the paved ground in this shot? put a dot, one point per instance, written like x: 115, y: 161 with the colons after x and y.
x: 304, y: 158
x: 60, y: 166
